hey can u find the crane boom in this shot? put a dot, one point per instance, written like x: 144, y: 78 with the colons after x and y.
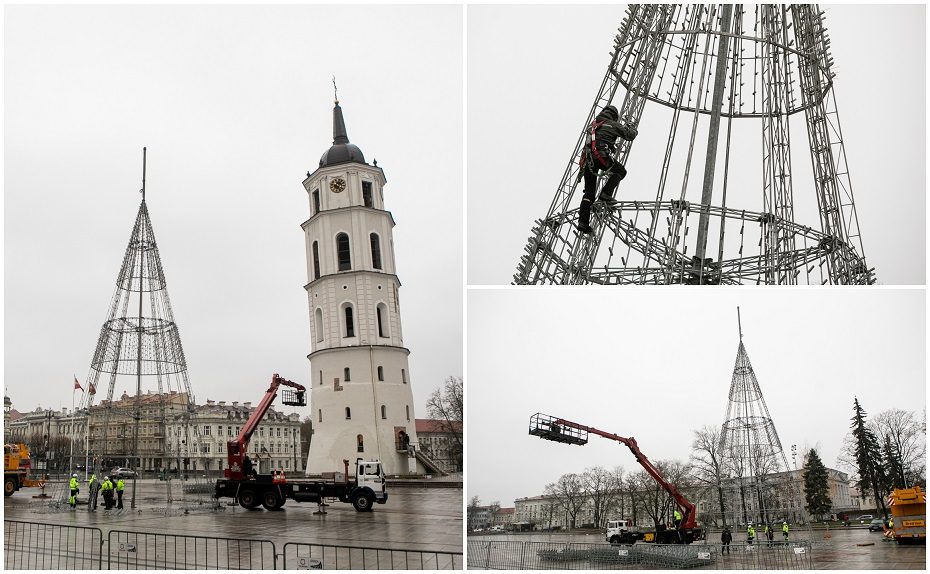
x: 237, y: 447
x: 561, y: 430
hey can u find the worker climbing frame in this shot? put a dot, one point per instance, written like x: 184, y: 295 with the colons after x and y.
x: 719, y: 76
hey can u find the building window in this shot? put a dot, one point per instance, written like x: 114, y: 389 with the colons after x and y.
x: 361, y: 443
x: 229, y: 431
x: 408, y: 413
x: 382, y: 331
x: 350, y: 323
x: 403, y: 376
x: 343, y: 252
x: 383, y: 412
x: 375, y: 250
x: 348, y: 413
x: 316, y: 259
x: 316, y: 201
x: 366, y: 193
x: 320, y: 415
x: 345, y: 374
x: 206, y: 430
x: 321, y: 377
x: 380, y: 373
x: 318, y: 319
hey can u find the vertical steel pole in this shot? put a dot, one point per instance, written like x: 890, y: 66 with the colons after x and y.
x: 138, y: 414
x: 716, y: 104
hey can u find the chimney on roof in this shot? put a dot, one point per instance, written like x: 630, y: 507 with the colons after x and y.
x: 209, y: 403
x: 174, y: 392
x: 222, y: 403
x: 235, y: 403
x: 247, y: 405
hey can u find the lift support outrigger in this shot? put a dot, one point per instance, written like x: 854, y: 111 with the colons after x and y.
x: 568, y: 432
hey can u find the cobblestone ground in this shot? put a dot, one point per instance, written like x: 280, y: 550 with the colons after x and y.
x: 414, y: 518
x: 843, y: 549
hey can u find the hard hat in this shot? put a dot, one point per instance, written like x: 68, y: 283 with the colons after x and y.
x: 613, y: 111
x: 74, y: 475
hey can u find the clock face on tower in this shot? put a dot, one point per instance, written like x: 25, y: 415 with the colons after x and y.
x: 337, y: 185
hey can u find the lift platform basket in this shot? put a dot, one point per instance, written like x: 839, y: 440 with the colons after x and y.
x: 294, y: 398
x: 556, y: 429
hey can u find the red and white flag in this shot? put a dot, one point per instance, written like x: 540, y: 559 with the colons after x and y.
x: 77, y: 385
x: 93, y: 390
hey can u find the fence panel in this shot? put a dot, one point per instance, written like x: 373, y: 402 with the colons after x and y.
x: 510, y: 555
x: 151, y: 551
x: 302, y: 556
x: 38, y: 546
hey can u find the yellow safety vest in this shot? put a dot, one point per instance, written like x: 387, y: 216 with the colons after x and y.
x: 74, y: 483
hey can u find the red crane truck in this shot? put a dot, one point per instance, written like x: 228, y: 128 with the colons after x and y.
x: 251, y: 490
x: 560, y: 430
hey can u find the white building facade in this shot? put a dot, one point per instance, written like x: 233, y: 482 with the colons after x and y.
x: 360, y: 396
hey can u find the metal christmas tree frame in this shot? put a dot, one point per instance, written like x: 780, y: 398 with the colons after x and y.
x: 720, y: 76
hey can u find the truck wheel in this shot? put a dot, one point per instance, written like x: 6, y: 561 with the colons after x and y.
x: 271, y: 501
x: 615, y: 539
x: 9, y: 486
x: 248, y: 499
x: 363, y: 501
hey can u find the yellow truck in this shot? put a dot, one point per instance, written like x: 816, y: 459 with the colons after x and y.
x: 16, y: 469
x: 909, y: 512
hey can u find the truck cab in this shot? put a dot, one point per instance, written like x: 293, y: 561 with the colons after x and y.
x: 369, y: 474
x: 617, y: 531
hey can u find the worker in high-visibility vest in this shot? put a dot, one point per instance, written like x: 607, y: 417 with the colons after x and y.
x: 120, y: 485
x: 92, y: 487
x: 73, y: 485
x: 784, y: 529
x: 750, y: 534
x: 677, y: 516
x: 107, y: 489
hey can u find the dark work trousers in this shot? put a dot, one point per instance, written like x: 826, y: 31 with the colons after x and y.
x: 726, y: 547
x: 600, y: 162
x: 119, y: 498
x: 107, y: 499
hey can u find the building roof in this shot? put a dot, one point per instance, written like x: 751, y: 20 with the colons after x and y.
x: 15, y: 415
x: 506, y: 510
x: 341, y: 151
x: 436, y: 426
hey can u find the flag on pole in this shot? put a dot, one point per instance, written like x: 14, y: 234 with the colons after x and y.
x: 93, y: 389
x: 77, y: 385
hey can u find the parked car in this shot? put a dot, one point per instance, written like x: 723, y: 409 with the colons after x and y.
x: 121, y: 472
x: 877, y: 525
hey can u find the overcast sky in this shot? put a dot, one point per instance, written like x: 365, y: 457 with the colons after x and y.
x: 656, y: 364
x: 235, y: 106
x: 534, y: 71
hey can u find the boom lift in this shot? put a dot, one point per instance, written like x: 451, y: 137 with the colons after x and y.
x: 560, y: 430
x: 17, y: 467
x: 251, y: 489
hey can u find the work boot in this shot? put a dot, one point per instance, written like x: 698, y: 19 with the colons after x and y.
x: 585, y: 228
x: 609, y: 200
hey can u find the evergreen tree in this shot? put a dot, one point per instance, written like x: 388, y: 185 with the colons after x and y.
x: 816, y: 489
x: 894, y: 467
x: 868, y: 457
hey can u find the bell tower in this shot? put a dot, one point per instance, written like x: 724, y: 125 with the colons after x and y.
x: 360, y: 397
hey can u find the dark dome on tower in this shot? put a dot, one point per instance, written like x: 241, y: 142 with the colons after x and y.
x: 341, y: 151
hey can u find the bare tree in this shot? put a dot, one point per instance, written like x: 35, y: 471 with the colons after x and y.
x: 568, y: 492
x: 708, y: 464
x: 654, y: 501
x: 447, y: 404
x: 617, y: 501
x: 905, y: 432
x: 474, y: 505
x: 597, y: 483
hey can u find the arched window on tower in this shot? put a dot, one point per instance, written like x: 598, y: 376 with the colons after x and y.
x: 343, y: 252
x: 316, y: 201
x: 381, y: 311
x: 361, y: 443
x: 408, y: 413
x: 345, y: 374
x: 318, y: 320
x: 383, y: 412
x: 316, y: 259
x: 348, y: 413
x: 375, y: 250
x: 366, y: 193
x: 380, y: 373
x: 350, y: 321
x: 403, y: 375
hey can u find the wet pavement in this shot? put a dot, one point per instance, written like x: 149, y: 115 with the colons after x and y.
x: 414, y: 518
x: 843, y: 549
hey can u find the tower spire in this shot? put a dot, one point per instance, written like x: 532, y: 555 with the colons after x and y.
x: 339, y: 124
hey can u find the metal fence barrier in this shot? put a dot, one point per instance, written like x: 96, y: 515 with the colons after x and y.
x: 38, y: 546
x: 149, y: 551
x: 511, y: 555
x: 302, y: 556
